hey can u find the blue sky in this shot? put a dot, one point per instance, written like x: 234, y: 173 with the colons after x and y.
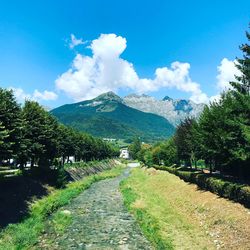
x: 35, y: 37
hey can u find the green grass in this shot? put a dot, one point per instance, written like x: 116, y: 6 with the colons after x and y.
x: 25, y: 234
x: 147, y: 223
x: 147, y: 196
x: 60, y: 221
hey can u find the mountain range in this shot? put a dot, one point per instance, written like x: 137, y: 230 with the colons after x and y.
x: 173, y: 110
x: 109, y: 115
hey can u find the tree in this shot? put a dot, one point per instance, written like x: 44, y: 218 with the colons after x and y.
x: 183, y: 142
x: 4, y: 133
x: 243, y: 81
x: 41, y: 134
x: 135, y: 147
x: 169, y: 152
x: 148, y: 158
x: 11, y: 123
x: 237, y: 144
x: 49, y: 140
x: 239, y: 102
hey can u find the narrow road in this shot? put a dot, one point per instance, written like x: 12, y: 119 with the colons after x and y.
x: 100, y: 221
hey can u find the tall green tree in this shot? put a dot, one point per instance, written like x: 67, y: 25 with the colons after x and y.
x: 169, y: 152
x: 183, y: 142
x: 135, y: 147
x: 41, y: 134
x: 242, y: 85
x: 11, y: 122
x: 240, y: 107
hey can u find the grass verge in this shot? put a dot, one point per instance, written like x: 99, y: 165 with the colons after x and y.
x: 147, y: 196
x: 25, y: 234
x: 147, y: 222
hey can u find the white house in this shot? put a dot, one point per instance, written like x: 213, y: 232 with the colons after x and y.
x: 124, y: 153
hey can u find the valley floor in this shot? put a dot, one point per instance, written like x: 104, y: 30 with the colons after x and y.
x: 183, y: 216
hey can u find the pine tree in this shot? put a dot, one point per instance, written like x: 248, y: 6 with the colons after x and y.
x: 243, y: 64
x: 241, y: 110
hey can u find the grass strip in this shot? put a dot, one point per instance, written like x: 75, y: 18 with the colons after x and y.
x: 24, y: 235
x: 149, y: 225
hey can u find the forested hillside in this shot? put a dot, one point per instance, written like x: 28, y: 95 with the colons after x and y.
x: 107, y: 116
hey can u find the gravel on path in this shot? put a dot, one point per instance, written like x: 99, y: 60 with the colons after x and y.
x: 100, y: 221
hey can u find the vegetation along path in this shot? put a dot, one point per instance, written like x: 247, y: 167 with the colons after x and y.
x: 97, y: 219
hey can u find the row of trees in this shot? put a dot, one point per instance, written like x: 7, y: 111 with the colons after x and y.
x: 31, y: 134
x: 220, y: 137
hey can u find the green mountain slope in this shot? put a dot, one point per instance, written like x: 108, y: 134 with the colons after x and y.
x: 107, y: 116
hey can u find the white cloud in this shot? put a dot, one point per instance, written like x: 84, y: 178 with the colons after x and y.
x: 45, y: 95
x: 215, y: 98
x: 226, y: 73
x: 36, y: 96
x: 20, y: 94
x: 74, y: 41
x: 105, y: 70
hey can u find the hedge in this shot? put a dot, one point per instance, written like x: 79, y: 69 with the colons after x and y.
x: 231, y: 190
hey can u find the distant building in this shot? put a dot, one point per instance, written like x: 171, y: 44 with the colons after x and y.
x: 109, y: 139
x: 72, y: 159
x: 124, y: 153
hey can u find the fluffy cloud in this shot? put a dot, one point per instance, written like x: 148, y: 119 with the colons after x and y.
x: 20, y: 94
x: 74, y: 41
x: 226, y: 73
x: 45, y: 95
x: 36, y: 96
x: 105, y: 70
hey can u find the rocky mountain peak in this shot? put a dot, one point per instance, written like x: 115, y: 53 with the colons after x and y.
x: 137, y: 96
x: 183, y: 105
x: 109, y: 96
x: 174, y: 110
x: 167, y: 98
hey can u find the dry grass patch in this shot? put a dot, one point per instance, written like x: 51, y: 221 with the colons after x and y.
x: 139, y: 204
x: 192, y: 218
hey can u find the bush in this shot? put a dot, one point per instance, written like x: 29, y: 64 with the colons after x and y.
x: 231, y: 190
x: 61, y: 178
